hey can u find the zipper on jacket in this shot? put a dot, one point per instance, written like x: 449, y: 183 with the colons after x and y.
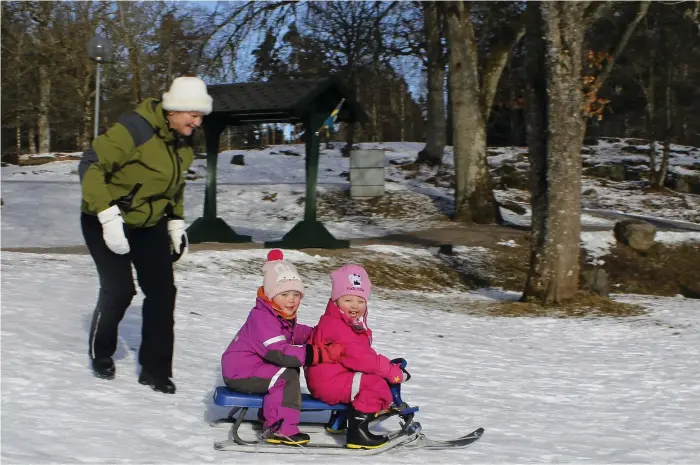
x: 172, y: 178
x: 178, y: 173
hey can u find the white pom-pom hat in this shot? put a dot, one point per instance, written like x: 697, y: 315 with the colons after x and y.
x: 188, y: 94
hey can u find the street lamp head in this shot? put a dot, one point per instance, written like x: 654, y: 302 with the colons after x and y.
x: 99, y: 49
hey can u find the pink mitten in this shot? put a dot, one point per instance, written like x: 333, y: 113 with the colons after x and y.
x: 396, y: 375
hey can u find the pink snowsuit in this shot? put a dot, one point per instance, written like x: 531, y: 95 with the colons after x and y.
x: 361, y: 376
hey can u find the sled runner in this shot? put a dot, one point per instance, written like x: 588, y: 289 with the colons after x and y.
x: 407, y: 437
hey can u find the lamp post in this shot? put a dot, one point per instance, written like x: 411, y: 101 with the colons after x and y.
x: 100, y: 51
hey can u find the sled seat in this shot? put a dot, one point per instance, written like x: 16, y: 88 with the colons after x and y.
x: 225, y: 397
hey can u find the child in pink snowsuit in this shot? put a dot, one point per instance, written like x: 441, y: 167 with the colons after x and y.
x: 269, y: 349
x: 360, y: 376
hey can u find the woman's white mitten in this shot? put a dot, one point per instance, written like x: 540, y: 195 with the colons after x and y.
x: 113, y: 230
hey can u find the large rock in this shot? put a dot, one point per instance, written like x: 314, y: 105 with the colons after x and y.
x: 687, y: 182
x: 636, y: 234
x: 635, y: 150
x: 614, y: 172
x: 509, y: 177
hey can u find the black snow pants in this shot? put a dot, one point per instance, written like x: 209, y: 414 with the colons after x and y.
x: 151, y: 256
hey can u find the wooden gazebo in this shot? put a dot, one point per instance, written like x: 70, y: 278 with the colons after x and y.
x: 309, y: 102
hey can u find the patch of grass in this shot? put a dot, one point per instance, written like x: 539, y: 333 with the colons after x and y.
x: 392, y: 273
x: 393, y: 204
x: 35, y: 161
x: 664, y: 270
x: 583, y: 305
x: 509, y: 267
x: 406, y: 276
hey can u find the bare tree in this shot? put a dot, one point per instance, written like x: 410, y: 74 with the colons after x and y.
x: 555, y: 134
x: 556, y: 126
x: 42, y: 40
x: 471, y: 98
x: 436, y: 134
x: 128, y: 36
x: 347, y: 32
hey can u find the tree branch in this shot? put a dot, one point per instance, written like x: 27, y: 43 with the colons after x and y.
x: 629, y: 31
x: 596, y: 10
x: 497, y: 62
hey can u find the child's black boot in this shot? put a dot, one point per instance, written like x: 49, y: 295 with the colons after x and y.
x: 359, y: 435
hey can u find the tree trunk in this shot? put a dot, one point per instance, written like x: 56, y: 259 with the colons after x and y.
x: 373, y: 117
x: 556, y: 126
x: 402, y: 116
x: 227, y: 138
x: 377, y: 135
x: 650, y: 107
x: 350, y: 132
x: 133, y: 54
x: 18, y: 135
x: 449, y: 124
x: 436, y: 125
x: 668, y: 114
x: 474, y: 199
x: 19, y: 37
x: 31, y: 136
x: 85, y: 136
x: 498, y: 58
x: 43, y: 111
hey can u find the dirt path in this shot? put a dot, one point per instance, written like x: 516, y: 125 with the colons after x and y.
x: 472, y: 235
x: 467, y: 235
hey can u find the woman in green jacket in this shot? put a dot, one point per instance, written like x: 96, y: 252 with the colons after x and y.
x: 133, y: 185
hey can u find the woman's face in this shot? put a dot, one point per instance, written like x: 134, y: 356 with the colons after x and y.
x: 184, y: 122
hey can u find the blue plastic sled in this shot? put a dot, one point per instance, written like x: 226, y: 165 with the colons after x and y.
x: 239, y: 402
x: 225, y: 397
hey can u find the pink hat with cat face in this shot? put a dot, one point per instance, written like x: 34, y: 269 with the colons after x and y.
x: 350, y: 280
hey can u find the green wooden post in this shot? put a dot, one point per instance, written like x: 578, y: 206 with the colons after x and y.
x: 209, y: 228
x: 312, y: 147
x: 212, y: 141
x: 310, y: 233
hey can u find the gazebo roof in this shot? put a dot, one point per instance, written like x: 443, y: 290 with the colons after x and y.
x: 288, y: 101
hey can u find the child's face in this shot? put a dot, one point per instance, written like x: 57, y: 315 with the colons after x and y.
x: 352, y: 305
x: 288, y: 302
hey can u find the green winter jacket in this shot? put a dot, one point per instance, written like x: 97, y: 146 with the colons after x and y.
x: 138, y: 165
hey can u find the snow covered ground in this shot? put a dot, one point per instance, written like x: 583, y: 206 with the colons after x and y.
x: 580, y: 390
x: 599, y: 390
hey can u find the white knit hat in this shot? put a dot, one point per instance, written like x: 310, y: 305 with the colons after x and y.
x: 188, y: 94
x: 280, y: 275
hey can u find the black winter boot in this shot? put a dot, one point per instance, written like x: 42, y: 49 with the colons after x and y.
x: 103, y: 368
x: 160, y: 384
x: 359, y: 435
